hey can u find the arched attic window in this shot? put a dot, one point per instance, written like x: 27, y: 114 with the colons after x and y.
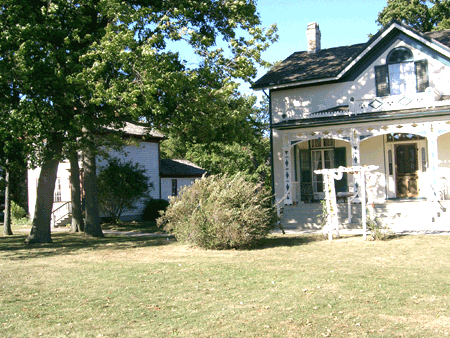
x: 400, y: 54
x: 401, y: 74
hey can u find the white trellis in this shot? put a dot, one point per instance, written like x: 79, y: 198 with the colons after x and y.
x: 329, y: 176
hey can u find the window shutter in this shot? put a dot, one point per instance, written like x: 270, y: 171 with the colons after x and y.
x: 382, y: 80
x: 421, y: 75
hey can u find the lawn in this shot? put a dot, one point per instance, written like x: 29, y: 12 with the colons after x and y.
x: 290, y: 286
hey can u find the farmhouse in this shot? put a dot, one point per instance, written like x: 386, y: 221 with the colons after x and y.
x: 167, y: 176
x: 383, y: 103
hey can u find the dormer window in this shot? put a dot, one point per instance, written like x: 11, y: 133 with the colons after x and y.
x: 401, y: 74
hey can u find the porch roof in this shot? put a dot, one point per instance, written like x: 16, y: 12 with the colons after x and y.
x: 362, y: 117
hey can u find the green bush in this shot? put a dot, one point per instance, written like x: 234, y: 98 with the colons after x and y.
x: 153, y: 208
x: 220, y: 212
x: 17, y: 212
x: 121, y: 185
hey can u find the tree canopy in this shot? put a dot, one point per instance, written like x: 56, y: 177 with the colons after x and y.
x: 423, y: 15
x: 69, y: 68
x: 238, y: 143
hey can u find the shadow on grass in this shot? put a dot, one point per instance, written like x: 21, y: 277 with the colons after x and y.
x: 14, y: 247
x: 274, y: 241
x: 138, y: 227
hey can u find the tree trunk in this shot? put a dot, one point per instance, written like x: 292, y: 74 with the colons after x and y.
x: 77, y: 224
x: 7, y: 220
x: 92, y: 221
x: 40, y: 230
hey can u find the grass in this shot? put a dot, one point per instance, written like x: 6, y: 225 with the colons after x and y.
x: 290, y: 286
x: 137, y: 227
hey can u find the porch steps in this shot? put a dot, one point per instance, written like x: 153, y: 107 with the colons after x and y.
x: 63, y: 222
x: 399, y: 216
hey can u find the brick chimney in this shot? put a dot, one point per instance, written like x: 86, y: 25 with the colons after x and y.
x: 313, y: 37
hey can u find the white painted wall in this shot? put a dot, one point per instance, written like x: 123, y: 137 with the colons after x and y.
x: 147, y: 155
x: 166, y: 185
x: 372, y: 153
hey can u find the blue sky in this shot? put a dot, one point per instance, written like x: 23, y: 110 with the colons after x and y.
x: 341, y: 22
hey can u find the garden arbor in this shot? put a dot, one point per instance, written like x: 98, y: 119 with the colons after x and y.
x: 360, y: 193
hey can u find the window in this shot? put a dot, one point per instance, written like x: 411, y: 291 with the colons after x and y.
x: 424, y: 159
x: 174, y: 187
x: 57, y: 194
x: 390, y: 163
x: 401, y: 74
x: 322, y: 143
x: 321, y: 159
x: 398, y: 137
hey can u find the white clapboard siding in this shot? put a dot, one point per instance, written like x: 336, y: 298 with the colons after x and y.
x: 147, y: 155
x: 166, y: 185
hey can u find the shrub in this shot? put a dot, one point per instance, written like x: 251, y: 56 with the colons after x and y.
x: 220, y: 212
x: 17, y: 212
x: 378, y: 231
x: 153, y: 208
x: 120, y: 186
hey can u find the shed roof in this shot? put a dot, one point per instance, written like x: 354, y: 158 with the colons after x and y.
x: 180, y: 168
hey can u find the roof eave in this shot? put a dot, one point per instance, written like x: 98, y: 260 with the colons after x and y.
x: 295, y: 84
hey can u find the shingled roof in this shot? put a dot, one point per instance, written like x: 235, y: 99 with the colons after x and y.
x: 180, y: 168
x: 302, y: 66
x: 134, y: 129
x: 329, y: 63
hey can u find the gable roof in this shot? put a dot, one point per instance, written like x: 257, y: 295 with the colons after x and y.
x: 135, y: 129
x: 333, y: 63
x: 180, y: 168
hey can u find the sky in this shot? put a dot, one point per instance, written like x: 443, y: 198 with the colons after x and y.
x: 341, y: 23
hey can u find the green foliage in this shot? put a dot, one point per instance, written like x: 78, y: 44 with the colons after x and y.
x: 237, y: 143
x: 324, y: 215
x: 120, y: 186
x: 423, y: 15
x: 17, y: 212
x: 153, y: 208
x: 378, y: 231
x: 70, y: 68
x: 220, y: 212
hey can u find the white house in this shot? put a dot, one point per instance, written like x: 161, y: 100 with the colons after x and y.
x: 385, y: 102
x: 145, y: 150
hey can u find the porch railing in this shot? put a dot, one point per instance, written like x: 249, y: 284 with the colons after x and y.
x: 393, y: 102
x: 62, y: 212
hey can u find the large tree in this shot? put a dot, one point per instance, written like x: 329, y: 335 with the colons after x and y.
x: 239, y: 143
x: 83, y: 65
x: 423, y: 15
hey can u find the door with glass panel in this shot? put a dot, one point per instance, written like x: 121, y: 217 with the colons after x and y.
x: 406, y: 170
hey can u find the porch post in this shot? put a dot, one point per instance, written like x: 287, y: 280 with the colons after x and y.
x: 287, y: 175
x: 356, y: 157
x: 433, y: 163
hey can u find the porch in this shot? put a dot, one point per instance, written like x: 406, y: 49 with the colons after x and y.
x: 399, y: 215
